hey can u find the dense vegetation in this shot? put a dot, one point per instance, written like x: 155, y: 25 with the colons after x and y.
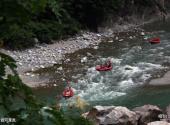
x: 25, y: 22
x: 18, y: 102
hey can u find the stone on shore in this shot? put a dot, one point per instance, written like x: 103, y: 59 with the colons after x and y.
x: 142, y: 33
x: 111, y: 115
x: 95, y: 47
x: 116, y: 38
x: 120, y: 40
x: 89, y: 54
x: 117, y: 115
x: 131, y: 37
x: 110, y: 41
x: 147, y: 113
x: 84, y: 60
x: 60, y: 68
x: 168, y: 113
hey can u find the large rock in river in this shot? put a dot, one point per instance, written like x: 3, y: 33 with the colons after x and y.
x: 165, y: 80
x: 147, y: 113
x: 168, y: 113
x: 159, y: 123
x: 111, y: 115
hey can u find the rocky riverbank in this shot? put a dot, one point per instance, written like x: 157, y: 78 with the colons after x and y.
x: 118, y: 115
x: 47, y: 55
x: 165, y: 80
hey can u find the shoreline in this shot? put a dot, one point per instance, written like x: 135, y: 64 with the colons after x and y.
x: 46, y: 55
x: 162, y: 81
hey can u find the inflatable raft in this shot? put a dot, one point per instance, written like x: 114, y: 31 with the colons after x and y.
x: 154, y: 40
x: 103, y: 68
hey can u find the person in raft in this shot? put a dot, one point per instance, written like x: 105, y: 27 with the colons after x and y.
x: 109, y: 64
x: 106, y: 64
x: 68, y: 92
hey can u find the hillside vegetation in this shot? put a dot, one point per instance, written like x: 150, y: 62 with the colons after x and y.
x: 26, y: 22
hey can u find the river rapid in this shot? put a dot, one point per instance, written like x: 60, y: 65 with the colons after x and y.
x: 134, y: 60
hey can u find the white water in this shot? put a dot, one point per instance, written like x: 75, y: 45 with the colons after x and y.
x: 100, y: 86
x: 133, y: 68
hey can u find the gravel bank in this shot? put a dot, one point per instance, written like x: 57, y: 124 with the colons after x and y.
x: 46, y: 55
x: 165, y: 80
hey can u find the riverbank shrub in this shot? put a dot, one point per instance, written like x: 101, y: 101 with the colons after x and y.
x: 18, y: 103
x: 17, y: 37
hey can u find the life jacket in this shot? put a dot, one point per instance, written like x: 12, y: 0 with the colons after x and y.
x: 68, y: 92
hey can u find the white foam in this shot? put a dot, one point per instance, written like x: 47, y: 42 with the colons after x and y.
x: 126, y: 82
x: 105, y: 96
x: 145, y: 77
x: 97, y: 92
x: 149, y: 66
x: 96, y: 86
x: 153, y: 50
x: 160, y: 48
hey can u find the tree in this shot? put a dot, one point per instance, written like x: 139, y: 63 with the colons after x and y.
x: 17, y: 101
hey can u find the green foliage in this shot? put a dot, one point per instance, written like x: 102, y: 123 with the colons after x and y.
x: 14, y: 15
x: 17, y: 101
x: 50, y: 30
x: 23, y: 20
x: 15, y: 97
x: 20, y: 11
x: 55, y: 19
x: 57, y: 9
x: 90, y: 13
x: 18, y: 38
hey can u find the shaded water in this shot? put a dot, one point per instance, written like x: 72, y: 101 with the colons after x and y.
x: 135, y: 61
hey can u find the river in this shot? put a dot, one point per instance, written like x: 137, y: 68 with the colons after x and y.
x: 134, y: 60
